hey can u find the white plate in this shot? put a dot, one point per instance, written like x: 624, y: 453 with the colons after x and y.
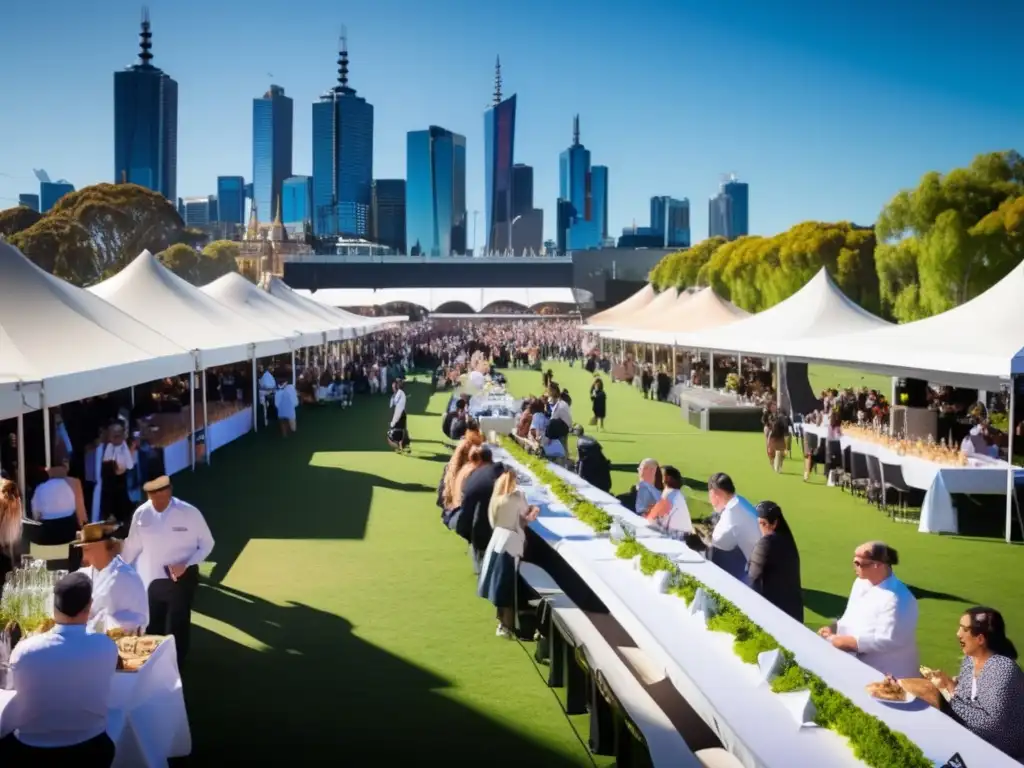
x: 911, y: 698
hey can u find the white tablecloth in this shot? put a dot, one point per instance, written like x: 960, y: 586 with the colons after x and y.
x: 750, y: 720
x: 938, y: 515
x: 147, y: 720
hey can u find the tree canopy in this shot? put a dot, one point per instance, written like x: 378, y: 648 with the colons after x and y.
x: 201, y: 267
x: 106, y: 226
x: 757, y: 272
x: 14, y: 220
x: 951, y: 237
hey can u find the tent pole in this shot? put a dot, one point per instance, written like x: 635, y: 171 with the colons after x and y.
x: 47, y: 448
x: 1009, y: 471
x: 673, y: 364
x: 133, y: 397
x: 192, y: 413
x: 255, y: 395
x: 778, y: 378
x: 739, y: 366
x: 21, y: 456
x: 293, y: 367
x: 711, y: 369
x: 206, y: 423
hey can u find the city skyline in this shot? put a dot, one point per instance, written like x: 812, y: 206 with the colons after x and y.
x: 808, y: 114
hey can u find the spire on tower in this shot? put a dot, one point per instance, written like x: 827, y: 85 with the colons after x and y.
x: 576, y: 131
x: 343, y: 58
x: 497, y: 81
x: 145, y: 39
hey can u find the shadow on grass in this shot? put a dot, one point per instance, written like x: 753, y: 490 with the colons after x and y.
x: 825, y: 604
x: 313, y: 693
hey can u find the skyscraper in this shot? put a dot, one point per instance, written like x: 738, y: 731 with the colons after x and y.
x: 672, y: 216
x: 271, y: 150
x: 29, y: 200
x: 586, y: 226
x: 231, y: 199
x: 388, y: 213
x: 728, y: 211
x: 522, y: 189
x: 200, y: 211
x: 52, y: 191
x: 146, y: 123
x: 499, y: 148
x: 342, y: 158
x: 297, y: 204
x: 435, y: 202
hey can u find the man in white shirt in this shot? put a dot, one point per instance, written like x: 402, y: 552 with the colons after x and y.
x: 880, y: 621
x: 62, y: 682
x: 267, y: 386
x: 398, y: 432
x: 168, y: 540
x: 119, y: 597
x: 736, y: 531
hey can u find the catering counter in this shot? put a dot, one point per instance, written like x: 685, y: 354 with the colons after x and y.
x: 173, y: 434
x: 751, y: 721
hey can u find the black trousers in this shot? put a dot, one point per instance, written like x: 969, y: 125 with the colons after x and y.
x: 97, y: 752
x: 170, y: 608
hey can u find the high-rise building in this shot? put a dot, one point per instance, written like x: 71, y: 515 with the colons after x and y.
x: 29, y: 201
x: 342, y: 158
x: 297, y: 205
x: 146, y: 123
x: 587, y: 222
x: 565, y: 213
x: 271, y: 150
x: 231, y: 199
x: 729, y: 211
x: 435, y: 197
x: 200, y: 211
x: 522, y: 189
x: 52, y: 191
x: 388, y: 213
x: 670, y: 220
x: 499, y: 149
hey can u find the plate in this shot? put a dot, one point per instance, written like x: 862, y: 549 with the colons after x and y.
x: 911, y: 698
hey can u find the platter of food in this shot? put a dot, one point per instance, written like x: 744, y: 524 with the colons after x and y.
x: 889, y: 691
x: 134, y: 651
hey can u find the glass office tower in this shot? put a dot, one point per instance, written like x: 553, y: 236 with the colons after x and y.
x: 435, y: 203
x: 499, y: 153
x: 231, y: 199
x: 297, y: 204
x: 271, y: 150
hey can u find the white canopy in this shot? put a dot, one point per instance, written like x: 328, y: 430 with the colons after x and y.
x: 640, y: 299
x: 70, y: 343
x: 235, y: 292
x: 977, y: 344
x: 817, y: 311
x: 691, y: 312
x: 150, y: 292
x: 650, y: 315
x: 344, y: 325
x: 432, y: 298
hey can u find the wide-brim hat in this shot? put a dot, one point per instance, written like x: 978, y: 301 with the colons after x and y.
x: 161, y: 483
x: 94, y: 533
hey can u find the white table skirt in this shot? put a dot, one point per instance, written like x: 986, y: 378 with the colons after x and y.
x: 228, y: 430
x: 147, y: 720
x: 985, y: 476
x: 750, y: 720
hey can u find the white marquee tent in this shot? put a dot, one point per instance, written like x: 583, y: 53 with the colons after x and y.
x: 344, y: 325
x: 432, y: 298
x: 151, y: 293
x: 259, y: 307
x: 69, y: 344
x: 818, y: 311
x: 699, y: 311
x: 650, y: 315
x: 607, y: 318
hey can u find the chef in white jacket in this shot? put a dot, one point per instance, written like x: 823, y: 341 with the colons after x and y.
x: 119, y: 598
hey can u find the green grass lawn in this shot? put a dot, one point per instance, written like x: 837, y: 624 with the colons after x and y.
x: 339, y: 622
x: 948, y: 573
x: 837, y: 377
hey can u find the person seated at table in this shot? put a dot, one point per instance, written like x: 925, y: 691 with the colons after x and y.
x: 987, y: 697
x: 526, y: 417
x: 62, y: 681
x: 736, y: 530
x: 541, y: 432
x: 880, y: 621
x: 647, y: 493
x: 119, y: 598
x: 458, y: 413
x: 774, y: 567
x: 670, y: 511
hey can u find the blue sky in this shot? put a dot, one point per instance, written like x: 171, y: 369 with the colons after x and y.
x: 826, y: 109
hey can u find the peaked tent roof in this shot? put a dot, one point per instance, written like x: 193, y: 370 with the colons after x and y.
x: 977, y: 344
x: 638, y: 300
x: 71, y: 342
x: 150, y: 292
x: 818, y: 310
x: 696, y: 312
x: 649, y: 314
x: 342, y: 324
x: 256, y: 305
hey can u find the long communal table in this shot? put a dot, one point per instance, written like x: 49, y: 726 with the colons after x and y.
x: 752, y: 722
x: 984, y: 476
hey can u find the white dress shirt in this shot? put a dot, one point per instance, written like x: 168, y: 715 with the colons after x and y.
x: 398, y: 403
x: 119, y: 598
x: 62, y: 682
x: 883, y: 619
x: 53, y: 500
x: 737, y: 527
x: 678, y: 517
x: 267, y: 382
x: 560, y: 410
x: 286, y: 399
x: 178, y: 535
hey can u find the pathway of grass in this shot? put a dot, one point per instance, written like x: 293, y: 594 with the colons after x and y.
x: 340, y: 624
x: 948, y: 573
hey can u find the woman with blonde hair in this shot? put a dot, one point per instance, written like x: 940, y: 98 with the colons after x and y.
x: 10, y: 526
x: 509, y: 513
x: 454, y: 467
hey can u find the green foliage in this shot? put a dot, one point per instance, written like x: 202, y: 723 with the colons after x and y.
x: 14, y: 220
x: 871, y: 740
x: 682, y: 269
x: 201, y: 267
x: 60, y: 246
x: 951, y: 237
